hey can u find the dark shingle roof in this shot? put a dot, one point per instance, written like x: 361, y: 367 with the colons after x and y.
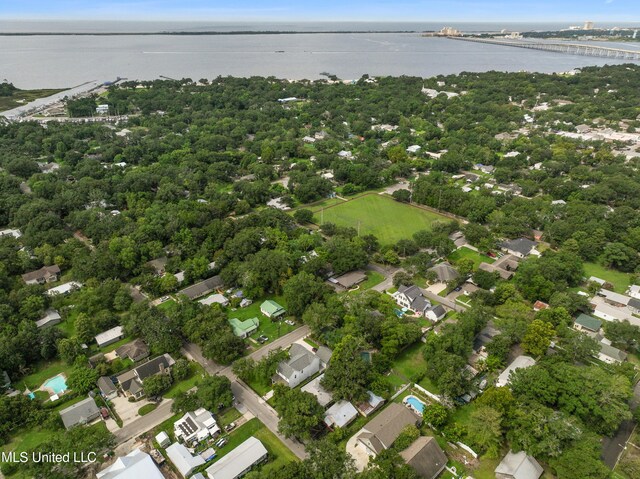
x: 203, y: 287
x: 425, y: 456
x: 520, y: 245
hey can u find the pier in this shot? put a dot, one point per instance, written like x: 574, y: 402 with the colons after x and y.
x: 559, y: 47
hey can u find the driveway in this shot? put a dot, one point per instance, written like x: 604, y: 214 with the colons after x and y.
x: 357, y: 452
x: 128, y: 411
x: 145, y: 423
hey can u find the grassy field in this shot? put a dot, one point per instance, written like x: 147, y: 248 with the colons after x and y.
x: 379, y: 215
x: 619, y: 280
x: 279, y: 454
x: 410, y: 362
x: 196, y: 374
x: 271, y: 329
x: 466, y: 253
x: 44, y: 371
x: 373, y: 278
x: 22, y: 97
x: 146, y: 409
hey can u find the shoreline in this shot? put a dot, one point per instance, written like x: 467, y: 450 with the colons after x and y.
x: 183, y: 33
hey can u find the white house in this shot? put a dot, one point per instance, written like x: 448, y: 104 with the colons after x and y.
x: 634, y: 291
x: 65, y: 288
x: 239, y: 461
x: 183, y: 460
x: 301, y: 365
x: 435, y: 313
x: 196, y: 426
x: 136, y: 464
x: 520, y: 362
x: 341, y: 414
x: 412, y: 298
x: 215, y: 298
x: 611, y: 355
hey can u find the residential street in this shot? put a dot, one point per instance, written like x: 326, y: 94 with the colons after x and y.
x: 245, y: 396
x: 145, y: 423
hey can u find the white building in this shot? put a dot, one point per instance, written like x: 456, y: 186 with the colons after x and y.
x: 65, y: 288
x: 521, y: 362
x: 135, y: 465
x: 196, y: 426
x: 110, y: 336
x: 215, y: 298
x: 301, y: 365
x: 634, y: 291
x: 341, y: 414
x: 239, y: 461
x: 183, y: 460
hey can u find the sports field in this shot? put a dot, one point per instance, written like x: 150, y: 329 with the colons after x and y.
x: 378, y: 215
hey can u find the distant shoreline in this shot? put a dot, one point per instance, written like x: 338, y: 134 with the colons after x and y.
x: 237, y: 32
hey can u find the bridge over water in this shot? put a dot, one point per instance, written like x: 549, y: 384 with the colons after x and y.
x: 560, y: 47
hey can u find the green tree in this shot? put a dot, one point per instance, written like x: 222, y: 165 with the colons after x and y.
x: 157, y: 384
x: 348, y: 374
x: 82, y: 380
x: 302, y: 290
x: 299, y: 411
x: 436, y: 414
x: 582, y: 461
x: 485, y: 430
x: 303, y: 216
x: 538, y: 337
x: 69, y: 349
x: 214, y: 392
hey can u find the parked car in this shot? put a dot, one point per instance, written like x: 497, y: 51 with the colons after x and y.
x: 221, y: 442
x: 262, y: 339
x: 459, y: 288
x: 164, y: 299
x: 290, y: 322
x: 230, y: 427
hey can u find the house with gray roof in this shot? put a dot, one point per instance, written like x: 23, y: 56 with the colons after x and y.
x: 436, y: 313
x: 611, y: 355
x: 107, y: 388
x: 518, y: 466
x: 372, y: 403
x: 381, y: 432
x: 348, y: 280
x: 445, y: 272
x: 136, y: 350
x: 412, y: 298
x: 341, y: 414
x: 520, y: 247
x: 46, y: 274
x: 131, y: 381
x: 203, y: 287
x: 109, y: 337
x: 51, y: 318
x: 426, y: 457
x: 80, y: 413
x: 520, y: 362
x: 301, y: 365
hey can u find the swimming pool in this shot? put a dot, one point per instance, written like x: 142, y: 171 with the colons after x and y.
x: 415, y: 403
x: 57, y: 384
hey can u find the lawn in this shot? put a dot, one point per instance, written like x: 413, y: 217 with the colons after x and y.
x: 279, y: 454
x: 22, y: 97
x: 466, y: 253
x: 373, y: 278
x: 271, y: 329
x: 618, y: 279
x: 410, y: 362
x: 44, y: 371
x: 197, y: 371
x: 167, y: 306
x: 379, y: 215
x: 228, y: 416
x: 146, y: 409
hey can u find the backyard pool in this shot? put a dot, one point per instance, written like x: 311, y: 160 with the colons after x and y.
x: 56, y: 385
x: 415, y: 404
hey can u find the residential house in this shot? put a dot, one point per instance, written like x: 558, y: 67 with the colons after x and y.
x: 435, y: 313
x: 412, y: 298
x: 271, y: 309
x: 279, y: 204
x: 215, y: 298
x: 372, y: 403
x: 82, y: 412
x: 324, y: 354
x: 245, y: 302
x: 341, y: 414
x: 46, y: 274
x: 11, y: 232
x: 614, y: 299
x: 504, y: 266
x: 131, y: 381
x: 203, y: 287
x: 246, y: 328
x: 426, y: 457
x: 196, y: 426
x: 301, y: 365
x: 109, y: 337
x: 348, y: 280
x: 540, y: 305
x: 595, y: 279
x: 158, y: 265
x: 413, y: 149
x: 604, y: 310
x: 182, y: 459
x: 520, y: 362
x: 380, y: 433
x: 314, y: 387
x: 444, y: 272
x: 520, y: 248
x: 136, y: 350
x: 135, y: 465
x: 239, y: 461
x: 107, y: 388
x: 518, y: 466
x: 611, y: 355
x: 587, y: 324
x: 51, y: 318
x: 64, y: 288
x: 634, y: 291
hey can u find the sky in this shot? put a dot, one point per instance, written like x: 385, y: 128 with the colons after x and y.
x: 575, y: 11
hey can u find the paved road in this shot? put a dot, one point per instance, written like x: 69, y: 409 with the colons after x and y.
x: 447, y: 302
x: 145, y: 423
x: 387, y: 272
x: 245, y: 395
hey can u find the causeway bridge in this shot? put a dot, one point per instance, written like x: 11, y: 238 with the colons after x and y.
x: 560, y: 47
